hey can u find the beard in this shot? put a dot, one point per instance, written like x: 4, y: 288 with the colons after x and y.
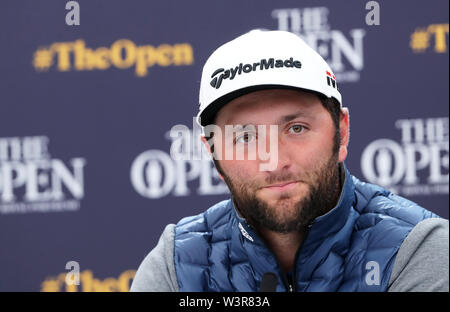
x: 287, y: 214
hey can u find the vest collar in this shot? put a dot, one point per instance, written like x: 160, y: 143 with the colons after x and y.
x: 331, y: 222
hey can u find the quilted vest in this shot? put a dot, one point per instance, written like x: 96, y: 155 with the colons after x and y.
x: 350, y: 248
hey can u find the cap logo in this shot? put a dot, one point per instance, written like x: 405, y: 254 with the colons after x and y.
x: 264, y: 64
x: 331, y: 80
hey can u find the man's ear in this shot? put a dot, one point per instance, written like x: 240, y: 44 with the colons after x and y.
x: 344, y: 132
x: 208, y: 148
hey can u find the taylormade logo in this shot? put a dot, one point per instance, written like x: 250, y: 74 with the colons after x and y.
x: 231, y: 73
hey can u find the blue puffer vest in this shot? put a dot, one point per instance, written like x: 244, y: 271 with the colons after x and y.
x: 351, y: 248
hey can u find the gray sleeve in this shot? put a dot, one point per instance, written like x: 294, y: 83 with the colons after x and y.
x: 422, y: 261
x: 157, y: 271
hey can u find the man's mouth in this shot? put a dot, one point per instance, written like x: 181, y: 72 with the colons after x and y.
x: 282, y: 187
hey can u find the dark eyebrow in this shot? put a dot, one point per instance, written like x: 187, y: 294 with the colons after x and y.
x: 243, y: 127
x: 282, y: 119
x: 287, y: 118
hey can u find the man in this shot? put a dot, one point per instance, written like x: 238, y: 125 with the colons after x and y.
x: 297, y: 220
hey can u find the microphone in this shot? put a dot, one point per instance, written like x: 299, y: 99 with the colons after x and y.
x: 269, y: 282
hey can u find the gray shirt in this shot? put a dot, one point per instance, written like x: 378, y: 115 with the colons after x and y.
x: 421, y: 264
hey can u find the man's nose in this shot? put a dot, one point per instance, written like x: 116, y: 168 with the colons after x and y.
x: 280, y: 154
x: 284, y: 155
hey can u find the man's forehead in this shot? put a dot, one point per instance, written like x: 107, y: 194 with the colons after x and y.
x: 269, y: 106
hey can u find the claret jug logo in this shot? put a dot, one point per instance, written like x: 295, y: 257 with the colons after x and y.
x: 418, y: 165
x: 33, y: 181
x: 158, y: 173
x: 122, y: 54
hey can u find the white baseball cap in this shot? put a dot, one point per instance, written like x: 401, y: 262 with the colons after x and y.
x: 260, y: 60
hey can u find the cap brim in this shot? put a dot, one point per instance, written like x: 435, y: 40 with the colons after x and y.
x: 209, y: 113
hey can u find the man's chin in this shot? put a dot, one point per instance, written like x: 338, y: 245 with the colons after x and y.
x: 281, y: 205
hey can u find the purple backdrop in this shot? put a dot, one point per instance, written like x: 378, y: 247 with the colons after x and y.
x: 85, y: 110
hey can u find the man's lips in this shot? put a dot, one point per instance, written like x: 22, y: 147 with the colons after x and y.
x: 281, y: 187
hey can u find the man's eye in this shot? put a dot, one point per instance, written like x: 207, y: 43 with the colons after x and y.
x: 245, y: 138
x: 295, y: 129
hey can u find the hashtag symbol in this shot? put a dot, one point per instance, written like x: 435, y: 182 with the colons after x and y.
x: 43, y: 59
x: 420, y: 40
